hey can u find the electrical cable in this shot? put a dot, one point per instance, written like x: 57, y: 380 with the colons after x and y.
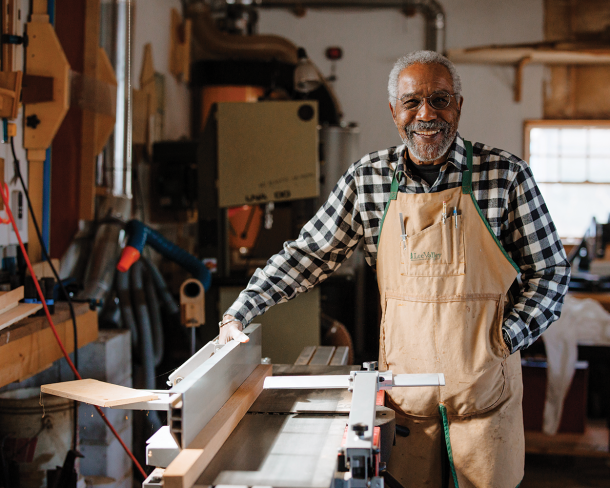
x: 57, y: 278
x: 5, y: 197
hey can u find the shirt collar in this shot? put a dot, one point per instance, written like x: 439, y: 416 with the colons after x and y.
x: 457, y: 155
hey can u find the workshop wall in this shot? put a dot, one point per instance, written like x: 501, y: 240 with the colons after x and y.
x: 372, y: 40
x: 152, y: 25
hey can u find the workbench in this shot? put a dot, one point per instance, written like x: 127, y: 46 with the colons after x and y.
x: 29, y: 346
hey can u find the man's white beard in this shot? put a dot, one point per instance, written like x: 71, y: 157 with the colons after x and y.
x: 427, y: 153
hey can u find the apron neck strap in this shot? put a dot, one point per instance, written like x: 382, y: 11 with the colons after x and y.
x: 395, y: 181
x: 467, y: 175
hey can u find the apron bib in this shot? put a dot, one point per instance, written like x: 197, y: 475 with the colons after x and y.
x: 443, y: 285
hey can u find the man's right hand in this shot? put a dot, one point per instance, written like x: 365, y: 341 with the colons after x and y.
x: 231, y: 330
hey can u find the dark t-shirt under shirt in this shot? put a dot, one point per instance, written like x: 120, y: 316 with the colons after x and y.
x: 427, y: 172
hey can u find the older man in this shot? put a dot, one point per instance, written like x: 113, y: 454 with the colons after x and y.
x: 449, y: 226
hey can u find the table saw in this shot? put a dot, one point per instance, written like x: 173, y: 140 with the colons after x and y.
x: 233, y: 421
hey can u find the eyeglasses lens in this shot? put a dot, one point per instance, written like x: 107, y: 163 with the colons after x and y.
x: 437, y: 101
x: 440, y: 101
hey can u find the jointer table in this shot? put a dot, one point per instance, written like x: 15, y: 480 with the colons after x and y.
x: 291, y: 438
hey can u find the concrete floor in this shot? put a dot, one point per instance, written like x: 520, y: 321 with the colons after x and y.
x: 565, y: 472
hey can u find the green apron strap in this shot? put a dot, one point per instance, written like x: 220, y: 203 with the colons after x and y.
x: 393, y: 193
x: 443, y: 411
x: 467, y: 175
x: 467, y: 189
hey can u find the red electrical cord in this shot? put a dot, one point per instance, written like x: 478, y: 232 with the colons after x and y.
x: 5, y: 198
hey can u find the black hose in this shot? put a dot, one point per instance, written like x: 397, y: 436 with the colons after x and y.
x: 129, y: 321
x: 156, y: 323
x: 165, y: 295
x: 145, y: 334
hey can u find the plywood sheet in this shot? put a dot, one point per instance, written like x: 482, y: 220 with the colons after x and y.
x: 98, y: 393
x: 17, y: 313
x: 9, y: 299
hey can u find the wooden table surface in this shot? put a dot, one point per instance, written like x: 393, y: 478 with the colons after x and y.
x: 29, y: 346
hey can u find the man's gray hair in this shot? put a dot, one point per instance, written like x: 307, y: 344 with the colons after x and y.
x: 421, y: 57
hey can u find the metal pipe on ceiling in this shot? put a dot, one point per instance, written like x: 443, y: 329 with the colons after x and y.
x: 433, y: 12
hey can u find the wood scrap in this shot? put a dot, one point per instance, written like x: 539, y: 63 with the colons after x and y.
x: 10, y: 299
x: 21, y: 311
x: 98, y: 393
x: 180, y: 47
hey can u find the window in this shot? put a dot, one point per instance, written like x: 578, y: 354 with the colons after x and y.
x: 570, y: 161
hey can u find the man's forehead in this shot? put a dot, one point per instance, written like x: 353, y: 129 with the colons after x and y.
x: 429, y: 77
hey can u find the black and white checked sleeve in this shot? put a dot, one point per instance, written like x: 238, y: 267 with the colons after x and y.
x: 327, y: 240
x: 532, y: 242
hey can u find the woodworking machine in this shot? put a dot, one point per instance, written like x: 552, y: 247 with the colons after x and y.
x: 231, y: 423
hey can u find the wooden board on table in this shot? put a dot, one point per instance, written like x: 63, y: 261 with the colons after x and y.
x: 21, y: 311
x: 184, y: 470
x: 10, y: 299
x: 98, y: 393
x: 29, y: 346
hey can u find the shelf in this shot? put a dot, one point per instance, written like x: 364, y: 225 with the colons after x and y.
x: 593, y: 443
x: 514, y: 55
x: 519, y: 55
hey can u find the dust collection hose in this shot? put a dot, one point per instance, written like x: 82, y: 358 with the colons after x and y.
x: 140, y: 235
x: 147, y: 353
x: 154, y: 311
x: 124, y: 295
x: 171, y: 307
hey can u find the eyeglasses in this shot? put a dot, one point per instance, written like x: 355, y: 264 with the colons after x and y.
x: 438, y: 100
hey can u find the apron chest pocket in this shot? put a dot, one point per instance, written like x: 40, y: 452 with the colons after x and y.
x: 435, y: 251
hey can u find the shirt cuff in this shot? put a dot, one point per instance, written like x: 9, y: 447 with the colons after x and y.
x: 241, y: 312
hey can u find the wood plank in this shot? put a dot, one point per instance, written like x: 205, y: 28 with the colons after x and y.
x: 10, y: 297
x: 98, y: 393
x: 322, y: 355
x: 35, y: 182
x: 191, y: 462
x: 34, y: 352
x: 8, y: 27
x: 17, y: 313
x: 340, y: 356
x: 305, y: 356
x: 512, y: 55
x: 30, y: 325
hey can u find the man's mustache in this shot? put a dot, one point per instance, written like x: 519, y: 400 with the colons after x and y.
x: 432, y: 125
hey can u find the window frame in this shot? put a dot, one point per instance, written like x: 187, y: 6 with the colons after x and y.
x: 560, y: 124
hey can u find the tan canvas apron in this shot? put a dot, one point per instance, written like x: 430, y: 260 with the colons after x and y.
x: 443, y: 291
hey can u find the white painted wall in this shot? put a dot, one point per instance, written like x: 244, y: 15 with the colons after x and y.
x: 151, y: 24
x: 373, y: 40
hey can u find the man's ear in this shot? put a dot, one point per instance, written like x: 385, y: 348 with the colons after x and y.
x: 392, y: 111
x: 460, y: 104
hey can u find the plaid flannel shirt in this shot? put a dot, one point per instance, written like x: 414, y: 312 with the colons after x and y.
x: 506, y: 192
